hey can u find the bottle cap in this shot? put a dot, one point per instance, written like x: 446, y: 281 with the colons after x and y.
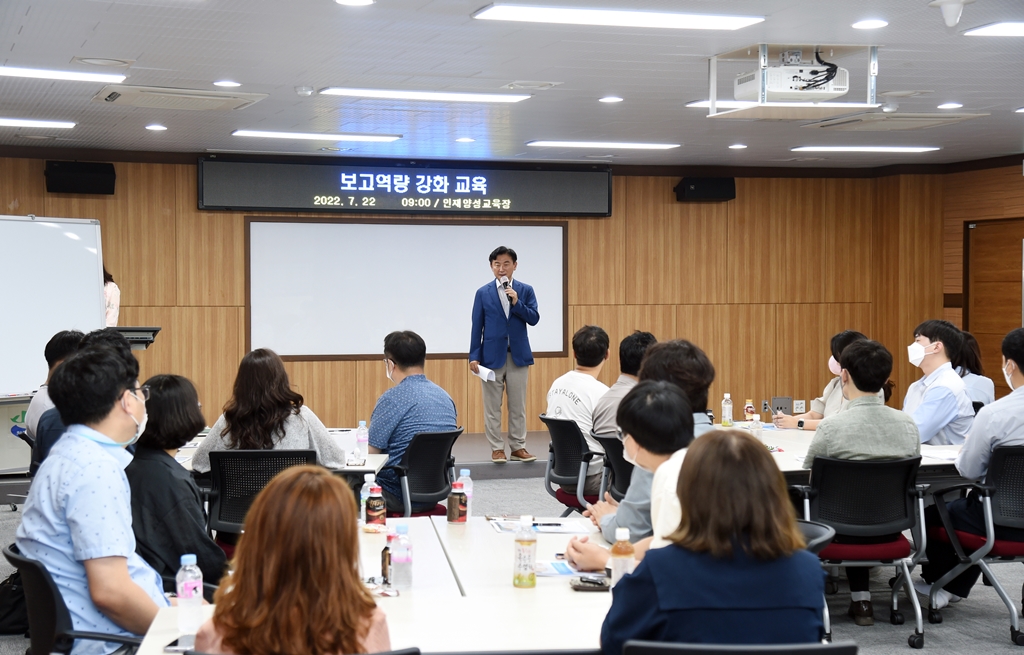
x: 368, y: 477
x: 403, y: 528
x: 728, y: 396
x: 464, y: 472
x: 621, y: 534
x: 456, y: 486
x: 750, y: 401
x: 362, y: 424
x: 375, y: 489
x: 188, y: 559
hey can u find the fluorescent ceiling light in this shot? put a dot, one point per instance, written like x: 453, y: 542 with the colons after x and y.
x: 610, y: 99
x: 614, y: 17
x: 74, y: 76
x: 743, y: 104
x: 737, y: 146
x: 1020, y: 111
x: 602, y: 144
x: 313, y: 136
x: 870, y: 24
x: 721, y: 104
x: 1006, y: 28
x: 950, y: 105
x: 436, y: 96
x: 465, y: 139
x: 863, y: 149
x: 226, y: 83
x: 156, y: 127
x: 354, y: 3
x: 23, y: 122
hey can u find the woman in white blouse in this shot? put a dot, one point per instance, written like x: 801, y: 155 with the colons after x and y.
x: 111, y: 298
x: 979, y: 388
x: 831, y: 400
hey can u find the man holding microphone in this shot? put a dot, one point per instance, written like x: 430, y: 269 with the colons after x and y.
x: 501, y: 311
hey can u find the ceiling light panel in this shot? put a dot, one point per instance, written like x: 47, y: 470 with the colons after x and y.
x: 998, y: 29
x: 315, y: 136
x: 869, y: 24
x: 432, y: 96
x: 602, y: 144
x: 25, y: 122
x: 614, y: 17
x: 903, y: 149
x: 72, y: 76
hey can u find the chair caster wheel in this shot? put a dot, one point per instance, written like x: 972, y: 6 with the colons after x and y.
x: 896, y: 618
x: 916, y: 640
x: 831, y: 587
x: 934, y: 616
x: 1017, y: 637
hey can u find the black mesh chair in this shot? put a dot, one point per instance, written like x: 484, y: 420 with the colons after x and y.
x: 426, y: 471
x: 614, y: 462
x: 977, y: 404
x: 568, y: 458
x: 818, y: 536
x: 866, y: 499
x: 238, y: 475
x: 634, y: 647
x: 49, y: 622
x: 1002, y: 498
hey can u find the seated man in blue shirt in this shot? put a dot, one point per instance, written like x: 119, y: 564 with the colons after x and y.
x: 413, y: 405
x: 938, y: 402
x: 78, y: 517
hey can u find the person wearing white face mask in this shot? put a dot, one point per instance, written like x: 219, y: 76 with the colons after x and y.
x: 1000, y: 423
x: 938, y: 402
x: 866, y: 430
x: 831, y: 400
x: 83, y: 535
x: 656, y: 422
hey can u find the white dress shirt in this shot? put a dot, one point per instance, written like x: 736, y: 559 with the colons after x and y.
x: 1000, y: 423
x: 940, y: 407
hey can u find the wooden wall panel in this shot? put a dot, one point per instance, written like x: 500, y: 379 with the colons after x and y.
x: 210, y: 249
x: 847, y: 223
x: 22, y: 187
x: 328, y: 389
x: 601, y: 244
x: 159, y: 357
x: 750, y: 243
x: 148, y: 219
x: 675, y: 252
x: 206, y: 350
x: 794, y: 213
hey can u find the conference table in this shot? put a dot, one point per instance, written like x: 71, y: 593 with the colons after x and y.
x: 462, y: 598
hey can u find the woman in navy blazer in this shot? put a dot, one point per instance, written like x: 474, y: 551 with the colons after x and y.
x: 736, y: 572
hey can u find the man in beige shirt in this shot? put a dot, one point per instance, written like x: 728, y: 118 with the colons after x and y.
x: 867, y: 429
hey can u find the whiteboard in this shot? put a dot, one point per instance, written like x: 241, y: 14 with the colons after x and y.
x: 52, y: 271
x: 319, y: 289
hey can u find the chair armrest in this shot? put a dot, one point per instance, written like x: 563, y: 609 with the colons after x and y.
x: 402, y: 471
x: 102, y: 636
x: 804, y: 490
x: 943, y: 512
x: 920, y: 491
x: 983, y: 489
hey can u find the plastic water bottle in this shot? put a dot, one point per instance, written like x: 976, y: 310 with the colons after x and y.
x: 362, y: 440
x: 727, y: 412
x: 524, y: 574
x: 190, y: 600
x: 622, y: 554
x: 467, y: 488
x: 364, y: 493
x: 401, y: 560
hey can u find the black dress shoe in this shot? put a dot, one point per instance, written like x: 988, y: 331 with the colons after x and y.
x: 861, y: 612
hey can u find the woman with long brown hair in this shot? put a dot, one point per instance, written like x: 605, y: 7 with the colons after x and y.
x: 264, y: 413
x: 295, y: 584
x: 736, y: 571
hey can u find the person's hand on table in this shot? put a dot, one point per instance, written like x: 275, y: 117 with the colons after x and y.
x: 601, y: 508
x: 475, y: 367
x: 784, y: 421
x: 586, y: 556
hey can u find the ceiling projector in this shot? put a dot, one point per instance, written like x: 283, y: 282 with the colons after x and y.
x: 795, y: 81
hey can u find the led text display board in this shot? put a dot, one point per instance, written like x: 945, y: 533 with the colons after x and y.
x: 412, y: 189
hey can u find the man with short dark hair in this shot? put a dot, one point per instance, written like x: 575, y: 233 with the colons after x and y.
x: 77, y: 518
x: 631, y: 354
x: 60, y: 346
x: 574, y: 395
x: 413, y: 405
x: 865, y: 430
x: 938, y: 401
x: 502, y: 310
x: 1000, y: 423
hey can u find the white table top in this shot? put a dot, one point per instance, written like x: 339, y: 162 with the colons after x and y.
x: 371, y: 464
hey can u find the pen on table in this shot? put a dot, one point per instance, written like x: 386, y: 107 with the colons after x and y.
x: 546, y: 525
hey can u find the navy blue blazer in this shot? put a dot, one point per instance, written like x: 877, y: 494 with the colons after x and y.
x: 680, y: 596
x: 494, y: 335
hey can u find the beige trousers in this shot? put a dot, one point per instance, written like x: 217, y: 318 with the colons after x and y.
x: 509, y: 380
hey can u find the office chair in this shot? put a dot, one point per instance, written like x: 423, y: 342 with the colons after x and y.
x: 635, y: 647
x: 977, y: 404
x: 237, y: 476
x: 871, y: 499
x: 426, y: 472
x: 818, y: 536
x: 1002, y: 498
x: 614, y: 463
x: 568, y: 457
x: 49, y: 622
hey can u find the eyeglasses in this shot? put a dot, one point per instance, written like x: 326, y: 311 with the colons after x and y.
x: 145, y: 392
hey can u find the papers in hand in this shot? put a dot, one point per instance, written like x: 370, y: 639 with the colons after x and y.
x: 484, y: 373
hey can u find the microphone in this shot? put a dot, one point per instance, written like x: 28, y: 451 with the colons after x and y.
x: 504, y: 282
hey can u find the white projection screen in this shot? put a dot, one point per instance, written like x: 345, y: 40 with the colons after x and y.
x: 329, y: 289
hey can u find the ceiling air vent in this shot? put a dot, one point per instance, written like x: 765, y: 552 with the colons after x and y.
x: 155, y: 97
x: 881, y: 122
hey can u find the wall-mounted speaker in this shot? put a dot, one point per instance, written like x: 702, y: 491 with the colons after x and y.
x: 706, y: 189
x: 79, y: 177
